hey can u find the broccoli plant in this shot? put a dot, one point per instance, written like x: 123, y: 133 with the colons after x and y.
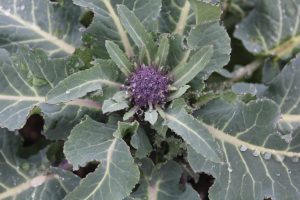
x: 142, y: 99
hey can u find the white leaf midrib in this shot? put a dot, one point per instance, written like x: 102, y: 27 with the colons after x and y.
x: 107, y: 167
x: 69, y: 49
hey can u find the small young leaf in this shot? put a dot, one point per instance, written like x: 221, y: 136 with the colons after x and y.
x: 125, y: 128
x: 111, y: 105
x: 119, y: 57
x: 184, y: 73
x: 162, y: 52
x: 141, y: 143
x: 178, y: 93
x: 151, y: 116
x: 137, y: 31
x: 130, y: 113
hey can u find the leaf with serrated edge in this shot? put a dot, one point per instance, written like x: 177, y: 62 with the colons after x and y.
x: 272, y: 28
x: 117, y: 174
x: 162, y: 52
x: 40, y: 24
x: 119, y: 57
x: 24, y: 179
x: 252, y: 150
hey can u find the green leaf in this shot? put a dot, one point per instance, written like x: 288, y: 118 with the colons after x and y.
x: 151, y: 116
x: 108, y: 23
x: 176, y: 17
x: 40, y: 24
x: 178, y: 93
x: 206, y: 12
x: 211, y: 33
x: 272, y: 28
x: 125, y: 128
x: 110, y: 105
x: 137, y: 31
x: 30, y: 178
x: 61, y: 119
x: 192, y: 131
x: 184, y: 73
x: 141, y: 143
x: 284, y: 89
x: 119, y: 58
x: 79, y: 84
x: 180, y: 16
x: 257, y: 162
x: 162, y: 183
x: 162, y: 52
x: 25, y: 79
x: 117, y: 173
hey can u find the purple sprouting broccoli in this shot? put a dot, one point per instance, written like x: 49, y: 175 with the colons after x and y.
x: 148, y: 86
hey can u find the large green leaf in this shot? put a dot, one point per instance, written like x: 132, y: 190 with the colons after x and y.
x: 272, y: 28
x: 257, y: 163
x: 117, y: 174
x: 30, y: 178
x: 284, y: 89
x: 162, y: 183
x: 107, y: 22
x: 25, y: 79
x: 102, y: 74
x: 40, y: 24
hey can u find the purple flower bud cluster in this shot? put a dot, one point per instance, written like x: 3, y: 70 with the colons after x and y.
x: 147, y: 85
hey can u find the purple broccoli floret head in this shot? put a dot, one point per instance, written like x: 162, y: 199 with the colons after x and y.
x: 147, y: 85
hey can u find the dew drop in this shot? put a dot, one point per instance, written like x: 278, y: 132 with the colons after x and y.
x: 243, y: 148
x: 22, y: 7
x: 255, y: 153
x: 289, y: 171
x: 278, y: 174
x: 295, y: 159
x: 68, y: 92
x: 7, y: 12
x: 287, y: 138
x: 267, y: 156
x: 229, y: 169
